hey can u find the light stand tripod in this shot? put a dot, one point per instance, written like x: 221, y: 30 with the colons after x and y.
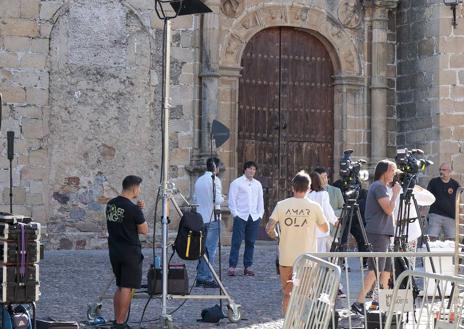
x: 164, y: 13
x: 220, y: 134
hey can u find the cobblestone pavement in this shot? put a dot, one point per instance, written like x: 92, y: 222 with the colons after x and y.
x: 72, y: 279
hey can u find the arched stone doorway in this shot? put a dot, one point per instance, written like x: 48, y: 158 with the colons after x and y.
x: 285, y: 108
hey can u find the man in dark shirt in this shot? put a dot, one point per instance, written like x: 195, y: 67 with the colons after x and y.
x: 442, y: 211
x: 125, y: 221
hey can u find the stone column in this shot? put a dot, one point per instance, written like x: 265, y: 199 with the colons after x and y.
x: 228, y: 115
x: 379, y: 78
x: 350, y: 128
x: 209, y: 74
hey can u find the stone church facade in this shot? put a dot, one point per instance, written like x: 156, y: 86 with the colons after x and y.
x: 297, y: 82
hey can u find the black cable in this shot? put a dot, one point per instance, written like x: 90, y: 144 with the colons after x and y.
x: 171, y: 313
x: 144, y: 309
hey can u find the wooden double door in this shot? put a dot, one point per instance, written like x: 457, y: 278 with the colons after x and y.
x: 285, y: 119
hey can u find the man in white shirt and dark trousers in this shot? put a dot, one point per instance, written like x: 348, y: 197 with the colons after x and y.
x: 246, y: 205
x: 203, y: 196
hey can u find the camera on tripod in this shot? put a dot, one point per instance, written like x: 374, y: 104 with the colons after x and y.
x: 410, y: 166
x: 351, y: 176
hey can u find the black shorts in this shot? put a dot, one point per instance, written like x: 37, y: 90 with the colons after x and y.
x: 127, y: 266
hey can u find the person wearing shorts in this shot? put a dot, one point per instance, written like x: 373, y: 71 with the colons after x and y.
x: 379, y: 227
x: 125, y: 221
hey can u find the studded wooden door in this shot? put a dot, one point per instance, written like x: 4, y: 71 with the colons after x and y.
x: 285, y: 119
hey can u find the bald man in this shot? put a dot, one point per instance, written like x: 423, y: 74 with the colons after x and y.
x: 442, y: 211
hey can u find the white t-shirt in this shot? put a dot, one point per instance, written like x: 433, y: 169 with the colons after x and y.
x: 297, y: 219
x: 322, y: 198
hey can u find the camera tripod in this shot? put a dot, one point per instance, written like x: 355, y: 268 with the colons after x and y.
x: 350, y: 209
x: 402, y: 227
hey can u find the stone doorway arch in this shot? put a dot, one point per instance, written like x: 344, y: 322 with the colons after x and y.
x: 285, y: 115
x: 348, y: 80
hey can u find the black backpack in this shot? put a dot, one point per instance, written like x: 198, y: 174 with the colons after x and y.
x: 190, y: 240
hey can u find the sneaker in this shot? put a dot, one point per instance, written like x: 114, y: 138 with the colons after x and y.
x: 357, y: 308
x: 248, y: 272
x: 231, y: 271
x: 207, y: 284
x: 341, y: 294
x: 119, y: 325
x: 211, y: 284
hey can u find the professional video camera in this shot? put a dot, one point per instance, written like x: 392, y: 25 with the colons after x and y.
x: 351, y: 175
x: 410, y: 166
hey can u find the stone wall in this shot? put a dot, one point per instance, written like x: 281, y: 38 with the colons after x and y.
x: 429, y: 89
x: 81, y: 84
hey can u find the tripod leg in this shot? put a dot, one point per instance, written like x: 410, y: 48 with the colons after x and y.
x: 425, y: 238
x: 219, y: 260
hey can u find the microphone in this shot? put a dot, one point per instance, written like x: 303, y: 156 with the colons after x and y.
x: 10, y: 138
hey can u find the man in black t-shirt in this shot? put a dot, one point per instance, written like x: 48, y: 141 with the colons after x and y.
x: 442, y: 211
x: 125, y: 221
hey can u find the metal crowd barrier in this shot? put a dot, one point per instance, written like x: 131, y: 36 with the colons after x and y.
x: 433, y: 311
x: 351, y: 283
x: 459, y: 245
x: 315, y: 286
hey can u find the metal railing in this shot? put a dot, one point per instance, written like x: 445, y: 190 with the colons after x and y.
x: 459, y: 245
x: 431, y: 311
x: 352, y: 281
x: 312, y: 302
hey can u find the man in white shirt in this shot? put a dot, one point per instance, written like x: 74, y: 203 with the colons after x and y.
x: 246, y: 205
x: 210, y: 211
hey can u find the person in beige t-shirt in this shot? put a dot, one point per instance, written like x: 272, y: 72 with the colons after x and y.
x: 297, y: 218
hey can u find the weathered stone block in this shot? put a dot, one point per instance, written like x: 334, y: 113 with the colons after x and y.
x: 49, y: 8
x: 457, y: 92
x: 32, y: 128
x: 37, y: 96
x: 39, y: 214
x: 180, y: 156
x: 34, y: 199
x: 9, y: 8
x: 29, y: 173
x: 13, y: 94
x: 17, y: 43
x: 447, y: 77
x: 19, y: 27
x: 458, y: 162
x: 451, y: 147
x: 427, y: 47
x: 29, y: 8
x: 36, y: 61
x: 19, y: 195
x: 9, y: 60
x: 461, y: 77
x: 38, y: 158
x: 45, y: 29
x: 26, y: 78
x: 457, y: 60
x: 451, y: 119
x: 405, y: 96
x: 40, y: 46
x: 450, y: 45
